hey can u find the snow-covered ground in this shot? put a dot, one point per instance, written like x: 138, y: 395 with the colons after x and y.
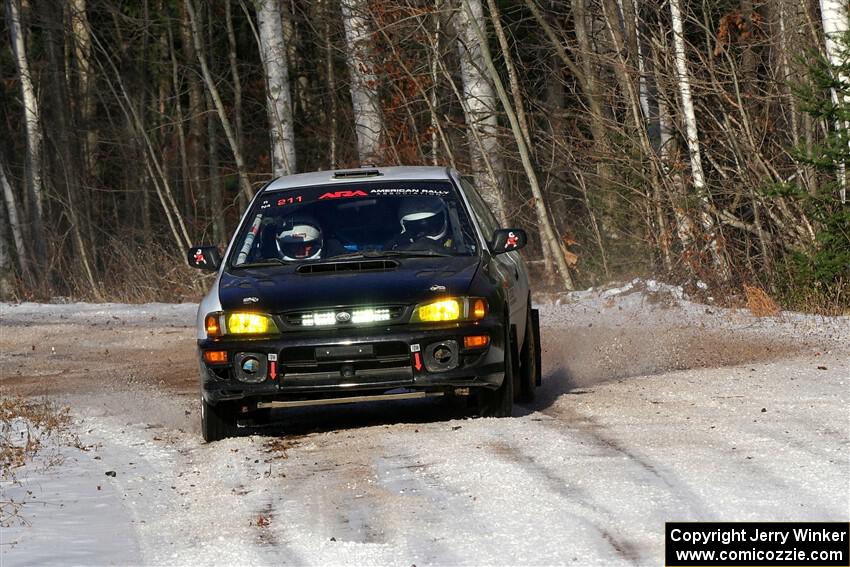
x: 653, y: 409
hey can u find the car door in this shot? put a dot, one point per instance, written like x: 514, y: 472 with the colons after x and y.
x: 508, y: 266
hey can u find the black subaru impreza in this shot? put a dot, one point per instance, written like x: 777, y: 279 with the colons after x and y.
x: 362, y: 285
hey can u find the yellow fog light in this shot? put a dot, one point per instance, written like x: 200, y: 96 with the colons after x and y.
x: 445, y: 310
x: 250, y: 324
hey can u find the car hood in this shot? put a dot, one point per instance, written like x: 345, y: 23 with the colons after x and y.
x: 275, y: 289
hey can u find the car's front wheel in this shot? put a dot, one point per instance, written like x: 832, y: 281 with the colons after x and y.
x: 217, y: 421
x: 529, y: 358
x: 500, y: 402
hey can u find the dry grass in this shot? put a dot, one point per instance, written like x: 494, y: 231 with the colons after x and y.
x: 759, y: 303
x: 30, y: 429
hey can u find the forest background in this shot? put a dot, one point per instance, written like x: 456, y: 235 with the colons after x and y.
x: 703, y: 143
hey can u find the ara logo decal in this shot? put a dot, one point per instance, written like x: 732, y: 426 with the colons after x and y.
x: 512, y: 241
x: 199, y: 257
x: 341, y: 194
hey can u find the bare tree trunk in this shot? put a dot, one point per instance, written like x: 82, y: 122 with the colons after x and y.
x: 216, y: 199
x: 278, y: 97
x: 552, y: 241
x: 63, y: 156
x: 6, y: 265
x: 434, y: 70
x: 331, y: 79
x: 496, y: 18
x: 234, y: 71
x: 481, y: 109
x: 32, y: 122
x: 14, y: 223
x: 834, y: 15
x: 195, y: 112
x: 683, y: 79
x: 235, y: 146
x: 365, y: 100
x: 585, y: 75
x: 82, y: 55
x: 185, y: 175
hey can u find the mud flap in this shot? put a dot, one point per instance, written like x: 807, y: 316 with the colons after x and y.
x: 535, y: 325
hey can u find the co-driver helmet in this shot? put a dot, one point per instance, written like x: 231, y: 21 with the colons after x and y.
x: 423, y: 217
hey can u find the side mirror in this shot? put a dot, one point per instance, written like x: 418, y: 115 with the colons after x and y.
x: 204, y: 258
x: 507, y: 240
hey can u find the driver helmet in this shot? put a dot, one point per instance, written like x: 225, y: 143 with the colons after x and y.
x: 423, y: 217
x: 300, y: 238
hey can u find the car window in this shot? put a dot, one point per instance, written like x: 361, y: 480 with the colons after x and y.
x: 322, y: 222
x: 488, y: 221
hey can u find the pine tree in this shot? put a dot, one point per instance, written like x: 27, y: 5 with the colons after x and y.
x: 825, y: 95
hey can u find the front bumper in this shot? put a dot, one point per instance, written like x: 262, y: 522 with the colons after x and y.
x: 354, y: 361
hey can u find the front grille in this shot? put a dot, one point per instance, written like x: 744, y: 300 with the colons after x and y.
x: 386, y: 362
x: 344, y: 316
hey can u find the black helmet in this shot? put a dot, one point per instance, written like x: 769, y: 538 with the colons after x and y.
x: 423, y: 217
x: 300, y: 238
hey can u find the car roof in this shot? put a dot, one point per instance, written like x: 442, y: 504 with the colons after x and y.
x: 338, y: 176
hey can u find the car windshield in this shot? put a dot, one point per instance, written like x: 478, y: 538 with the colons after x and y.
x: 355, y: 220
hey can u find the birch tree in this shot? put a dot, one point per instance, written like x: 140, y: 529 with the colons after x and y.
x: 278, y: 97
x: 14, y: 222
x: 82, y: 56
x: 365, y: 96
x: 834, y: 14
x: 552, y: 243
x: 32, y: 122
x: 480, y: 109
x: 692, y: 136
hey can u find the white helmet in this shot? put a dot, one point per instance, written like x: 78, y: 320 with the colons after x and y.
x: 300, y: 239
x: 423, y: 217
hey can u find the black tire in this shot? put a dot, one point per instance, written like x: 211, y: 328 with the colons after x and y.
x: 500, y: 402
x: 529, y: 360
x: 217, y: 421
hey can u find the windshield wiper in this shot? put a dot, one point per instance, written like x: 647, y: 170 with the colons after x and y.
x: 265, y: 262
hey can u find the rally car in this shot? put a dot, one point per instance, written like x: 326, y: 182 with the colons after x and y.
x: 361, y: 285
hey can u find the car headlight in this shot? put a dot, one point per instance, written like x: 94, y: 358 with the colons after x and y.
x: 450, y: 309
x: 238, y: 323
x: 250, y: 324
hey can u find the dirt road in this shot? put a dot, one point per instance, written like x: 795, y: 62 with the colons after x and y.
x: 652, y: 409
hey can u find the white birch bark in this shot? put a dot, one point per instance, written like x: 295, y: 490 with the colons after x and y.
x: 835, y: 22
x: 480, y: 107
x: 5, y: 264
x: 32, y: 118
x: 643, y: 83
x: 82, y: 55
x: 14, y: 221
x: 278, y: 96
x: 551, y: 239
x: 692, y: 136
x: 365, y: 101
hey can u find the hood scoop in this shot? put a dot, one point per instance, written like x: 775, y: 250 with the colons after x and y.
x: 347, y: 267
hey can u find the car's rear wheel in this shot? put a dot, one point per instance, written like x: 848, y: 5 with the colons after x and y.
x: 217, y: 421
x: 500, y: 402
x: 529, y: 358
